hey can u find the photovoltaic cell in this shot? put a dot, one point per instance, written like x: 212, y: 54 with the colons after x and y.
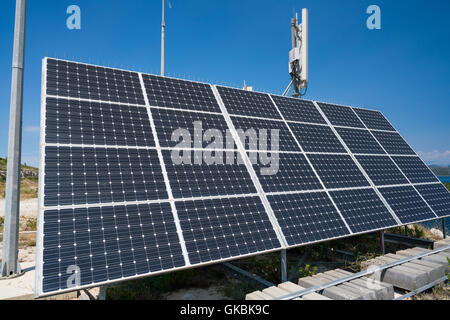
x: 248, y: 103
x: 338, y: 171
x: 307, y: 217
x: 393, y: 143
x: 108, y: 243
x: 180, y: 94
x: 76, y: 80
x: 197, y: 178
x: 258, y: 134
x: 96, y: 123
x: 75, y: 176
x: 224, y: 228
x: 290, y: 172
x: 407, y: 204
x: 360, y: 141
x: 341, y: 116
x: 363, y: 210
x: 415, y: 169
x: 298, y: 110
x: 382, y: 170
x: 192, y: 128
x: 374, y: 119
x: 315, y: 138
x: 437, y: 196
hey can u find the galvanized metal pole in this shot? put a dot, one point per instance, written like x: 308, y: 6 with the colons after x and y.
x: 10, y: 262
x: 163, y: 39
x: 382, y: 244
x: 283, y: 266
x: 444, y: 231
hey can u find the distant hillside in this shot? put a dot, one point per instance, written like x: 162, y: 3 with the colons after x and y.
x: 440, y: 171
x: 29, y: 182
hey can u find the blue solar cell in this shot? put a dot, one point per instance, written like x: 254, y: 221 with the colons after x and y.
x: 195, y: 130
x: 197, y: 178
x: 258, y: 134
x: 415, y: 170
x: 315, y: 138
x: 338, y: 171
x: 374, y: 119
x: 407, y: 204
x: 180, y: 94
x: 360, y: 141
x: 285, y: 172
x: 298, y: 110
x: 225, y: 228
x: 77, y: 80
x: 393, y: 143
x: 108, y: 243
x: 341, y: 116
x: 382, y: 170
x: 247, y: 103
x: 96, y: 123
x: 437, y: 196
x: 363, y: 210
x: 76, y: 176
x: 307, y: 217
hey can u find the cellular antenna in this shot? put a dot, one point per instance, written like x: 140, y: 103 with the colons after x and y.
x: 298, y: 56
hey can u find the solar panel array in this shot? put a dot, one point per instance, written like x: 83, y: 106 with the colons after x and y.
x: 142, y: 175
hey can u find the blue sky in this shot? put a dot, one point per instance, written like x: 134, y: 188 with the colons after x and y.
x: 402, y: 69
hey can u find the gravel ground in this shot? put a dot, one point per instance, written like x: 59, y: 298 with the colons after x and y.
x: 28, y: 208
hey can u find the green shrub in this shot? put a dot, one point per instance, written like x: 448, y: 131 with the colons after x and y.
x: 307, y: 271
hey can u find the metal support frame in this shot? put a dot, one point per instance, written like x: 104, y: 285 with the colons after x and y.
x: 382, y: 243
x: 102, y: 293
x: 359, y: 275
x: 163, y: 39
x: 10, y: 260
x: 249, y: 275
x: 424, y: 288
x: 283, y: 266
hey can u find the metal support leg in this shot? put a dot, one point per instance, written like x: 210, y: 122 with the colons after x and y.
x: 10, y: 263
x: 283, y: 266
x: 102, y: 294
x: 406, y: 230
x: 444, y: 231
x: 383, y: 251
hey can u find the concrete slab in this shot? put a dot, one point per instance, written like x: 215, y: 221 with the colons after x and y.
x: 432, y: 273
x: 275, y: 292
x: 334, y: 293
x: 438, y: 270
x: 400, y: 276
x: 378, y: 290
x: 292, y: 287
x: 258, y: 295
x: 364, y: 293
x: 387, y: 292
x: 442, y: 243
x: 440, y: 258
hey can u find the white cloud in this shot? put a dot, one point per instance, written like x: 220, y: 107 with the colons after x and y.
x: 32, y: 129
x: 436, y: 157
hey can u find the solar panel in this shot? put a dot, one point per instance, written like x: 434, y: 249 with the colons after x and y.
x: 393, y: 143
x: 223, y: 228
x: 341, y: 116
x: 292, y: 173
x: 253, y: 132
x: 382, y: 170
x: 96, y: 123
x: 314, y: 138
x: 172, y: 127
x: 307, y: 217
x: 374, y: 119
x: 407, y: 204
x: 360, y: 141
x: 437, y: 196
x: 415, y: 170
x: 298, y: 110
x: 338, y: 171
x: 247, y: 103
x: 142, y: 175
x: 363, y: 210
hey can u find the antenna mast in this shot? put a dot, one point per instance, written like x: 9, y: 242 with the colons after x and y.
x: 298, y: 56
